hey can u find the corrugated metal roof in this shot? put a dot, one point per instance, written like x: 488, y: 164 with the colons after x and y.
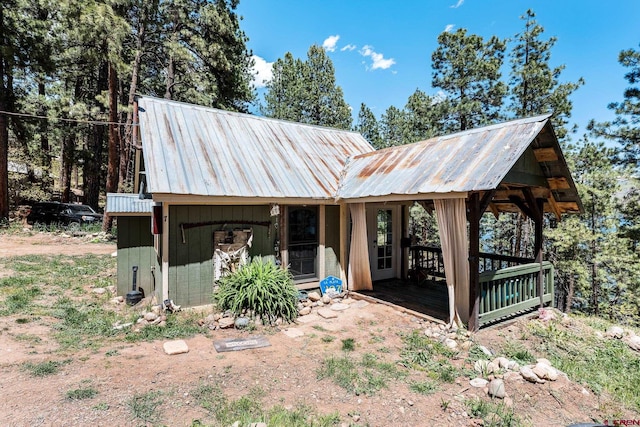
x: 194, y: 150
x: 121, y: 204
x: 472, y: 160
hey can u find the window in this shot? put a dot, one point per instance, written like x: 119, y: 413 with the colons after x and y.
x: 303, y: 242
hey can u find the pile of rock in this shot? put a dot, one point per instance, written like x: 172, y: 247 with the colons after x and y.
x: 227, y: 320
x: 327, y: 306
x: 495, y: 372
x: 450, y: 335
x: 154, y: 317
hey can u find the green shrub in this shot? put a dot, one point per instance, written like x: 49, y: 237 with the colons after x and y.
x: 260, y: 288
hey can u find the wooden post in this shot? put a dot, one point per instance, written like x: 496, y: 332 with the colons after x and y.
x: 474, y: 259
x: 538, y: 246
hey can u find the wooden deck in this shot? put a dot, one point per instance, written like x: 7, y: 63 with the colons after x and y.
x: 427, y: 297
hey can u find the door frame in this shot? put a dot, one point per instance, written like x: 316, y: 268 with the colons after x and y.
x: 396, y: 230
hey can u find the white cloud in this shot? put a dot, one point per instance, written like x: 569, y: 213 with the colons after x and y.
x: 378, y: 59
x: 262, y: 71
x: 330, y: 43
x: 457, y: 5
x: 348, y: 47
x: 448, y: 28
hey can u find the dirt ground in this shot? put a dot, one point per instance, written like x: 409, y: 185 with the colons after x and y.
x: 285, y: 371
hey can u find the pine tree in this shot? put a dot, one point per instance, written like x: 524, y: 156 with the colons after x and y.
x: 467, y: 70
x: 306, y: 91
x: 392, y: 127
x: 367, y: 126
x: 534, y: 86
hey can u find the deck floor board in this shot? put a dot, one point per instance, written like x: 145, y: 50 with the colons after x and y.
x: 429, y: 297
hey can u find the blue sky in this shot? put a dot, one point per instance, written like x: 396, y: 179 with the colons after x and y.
x: 381, y: 50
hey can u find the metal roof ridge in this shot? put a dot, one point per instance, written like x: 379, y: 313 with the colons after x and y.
x: 244, y: 115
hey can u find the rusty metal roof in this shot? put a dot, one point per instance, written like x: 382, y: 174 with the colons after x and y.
x: 472, y: 160
x: 128, y: 204
x: 194, y: 150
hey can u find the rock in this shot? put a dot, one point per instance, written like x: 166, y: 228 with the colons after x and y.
x: 258, y: 425
x: 117, y: 300
x: 157, y: 309
x: 546, y: 372
x: 451, y: 344
x: 478, y: 382
x: 496, y: 389
x: 508, y: 402
x: 528, y: 374
x: 634, y: 342
x: 226, y: 322
x: 485, y: 350
x: 502, y: 362
x: 305, y: 311
x: 175, y: 347
x: 112, y: 289
x: 615, y: 332
x: 293, y: 332
x: 314, y: 296
x: 99, y: 291
x: 325, y: 299
x: 513, y: 366
x: 327, y: 313
x: 492, y: 368
x: 339, y: 306
x: 241, y: 322
x: 360, y: 304
x: 544, y: 361
x: 150, y: 317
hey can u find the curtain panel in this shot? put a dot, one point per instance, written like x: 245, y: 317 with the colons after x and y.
x: 451, y: 215
x: 359, y: 275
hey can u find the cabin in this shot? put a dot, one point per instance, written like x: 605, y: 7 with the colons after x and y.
x: 218, y: 186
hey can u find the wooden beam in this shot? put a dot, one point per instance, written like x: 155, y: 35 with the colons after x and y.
x: 545, y: 154
x: 538, y: 249
x: 486, y: 200
x: 555, y: 208
x: 538, y: 193
x: 536, y: 208
x: 494, y: 209
x: 558, y: 183
x: 522, y: 206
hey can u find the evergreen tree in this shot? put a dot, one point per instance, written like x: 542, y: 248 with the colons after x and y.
x: 625, y: 128
x: 467, y: 70
x: 534, y: 85
x: 306, y: 91
x: 392, y: 127
x: 367, y: 126
x: 420, y: 115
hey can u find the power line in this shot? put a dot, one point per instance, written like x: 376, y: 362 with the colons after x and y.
x: 91, y: 122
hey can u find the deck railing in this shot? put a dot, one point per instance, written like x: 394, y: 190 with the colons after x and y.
x: 428, y: 261
x: 508, y: 284
x: 510, y: 290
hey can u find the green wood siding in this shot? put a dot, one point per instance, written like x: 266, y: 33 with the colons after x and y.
x: 191, y: 263
x: 332, y: 241
x: 135, y: 248
x: 526, y: 171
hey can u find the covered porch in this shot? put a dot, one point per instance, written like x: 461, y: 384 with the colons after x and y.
x: 514, y: 167
x: 508, y: 286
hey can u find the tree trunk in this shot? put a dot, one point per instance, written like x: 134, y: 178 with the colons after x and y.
x: 93, y: 172
x: 126, y: 172
x: 45, y: 149
x: 114, y: 136
x: 4, y: 131
x: 570, y: 293
x: 168, y: 94
x: 67, y: 154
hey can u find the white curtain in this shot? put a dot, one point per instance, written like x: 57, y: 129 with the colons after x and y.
x: 451, y: 215
x: 359, y: 269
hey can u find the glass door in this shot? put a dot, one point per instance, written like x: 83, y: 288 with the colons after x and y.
x: 382, y: 242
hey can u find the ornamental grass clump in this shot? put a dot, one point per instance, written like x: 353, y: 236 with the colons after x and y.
x: 259, y: 288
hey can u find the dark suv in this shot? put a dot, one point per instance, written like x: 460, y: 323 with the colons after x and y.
x: 68, y: 214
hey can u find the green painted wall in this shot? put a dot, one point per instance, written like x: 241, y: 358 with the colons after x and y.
x: 332, y: 241
x: 135, y: 248
x: 191, y: 263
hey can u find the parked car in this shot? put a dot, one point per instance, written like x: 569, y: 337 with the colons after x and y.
x: 67, y: 214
